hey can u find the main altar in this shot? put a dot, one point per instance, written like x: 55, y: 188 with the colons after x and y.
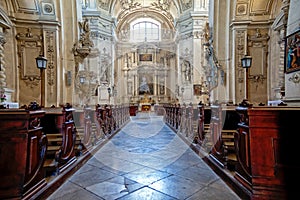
x: 145, y: 104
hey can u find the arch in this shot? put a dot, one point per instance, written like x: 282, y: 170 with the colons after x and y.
x: 125, y: 22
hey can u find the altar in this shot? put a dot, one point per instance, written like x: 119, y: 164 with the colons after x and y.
x: 145, y: 107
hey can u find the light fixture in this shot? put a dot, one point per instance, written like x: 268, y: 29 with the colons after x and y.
x: 109, y: 90
x: 246, y: 61
x: 82, y: 79
x: 41, y: 62
x: 209, y: 79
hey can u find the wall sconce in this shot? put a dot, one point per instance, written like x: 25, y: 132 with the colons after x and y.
x: 109, y: 94
x: 69, y: 78
x: 246, y: 64
x: 177, y: 90
x: 82, y: 79
x: 41, y: 63
x: 246, y: 61
x: 209, y: 79
x: 222, y: 74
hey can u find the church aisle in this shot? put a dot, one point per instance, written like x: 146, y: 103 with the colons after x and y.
x: 145, y: 160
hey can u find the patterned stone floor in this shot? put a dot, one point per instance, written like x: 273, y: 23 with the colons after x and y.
x: 146, y: 160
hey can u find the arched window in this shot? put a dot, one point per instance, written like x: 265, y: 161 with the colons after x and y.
x: 145, y: 29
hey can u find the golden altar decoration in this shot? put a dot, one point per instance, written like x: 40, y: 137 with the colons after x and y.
x: 145, y: 104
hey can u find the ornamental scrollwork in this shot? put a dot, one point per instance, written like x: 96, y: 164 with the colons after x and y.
x: 295, y: 78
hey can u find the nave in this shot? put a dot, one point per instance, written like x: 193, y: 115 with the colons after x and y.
x: 145, y: 160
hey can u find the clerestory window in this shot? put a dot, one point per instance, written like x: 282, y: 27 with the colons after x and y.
x: 145, y: 29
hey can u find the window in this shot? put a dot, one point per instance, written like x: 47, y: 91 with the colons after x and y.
x: 145, y: 29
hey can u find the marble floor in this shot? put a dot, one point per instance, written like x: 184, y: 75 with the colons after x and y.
x: 146, y: 160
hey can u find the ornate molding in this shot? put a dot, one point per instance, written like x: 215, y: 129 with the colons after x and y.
x: 261, y: 8
x: 29, y: 44
x: 240, y: 47
x: 97, y: 34
x: 25, y: 6
x: 51, y: 72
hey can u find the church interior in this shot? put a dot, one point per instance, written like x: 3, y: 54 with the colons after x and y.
x: 223, y: 74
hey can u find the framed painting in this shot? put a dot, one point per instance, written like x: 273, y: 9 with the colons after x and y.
x: 146, y: 57
x: 145, y: 84
x: 292, y: 52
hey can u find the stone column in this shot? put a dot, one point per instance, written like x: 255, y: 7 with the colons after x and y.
x: 2, y: 63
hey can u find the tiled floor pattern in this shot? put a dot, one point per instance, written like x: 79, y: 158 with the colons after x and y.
x: 146, y: 160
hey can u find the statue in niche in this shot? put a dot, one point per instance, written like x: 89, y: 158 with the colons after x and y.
x: 161, y: 89
x: 105, y: 73
x: 187, y: 71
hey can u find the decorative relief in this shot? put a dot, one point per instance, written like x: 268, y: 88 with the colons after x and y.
x: 241, y: 9
x: 51, y: 72
x: 198, y: 34
x: 240, y: 41
x: 47, y: 8
x: 295, y: 78
x: 186, y: 4
x: 259, y: 37
x: 259, y: 41
x: 103, y: 4
x: 162, y: 5
x: 29, y: 47
x: 129, y: 4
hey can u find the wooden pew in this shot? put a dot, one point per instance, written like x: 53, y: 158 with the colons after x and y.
x: 83, y: 123
x: 268, y: 153
x: 58, y: 125
x: 201, y: 132
x: 22, y: 153
x: 223, y: 125
x: 205, y: 133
